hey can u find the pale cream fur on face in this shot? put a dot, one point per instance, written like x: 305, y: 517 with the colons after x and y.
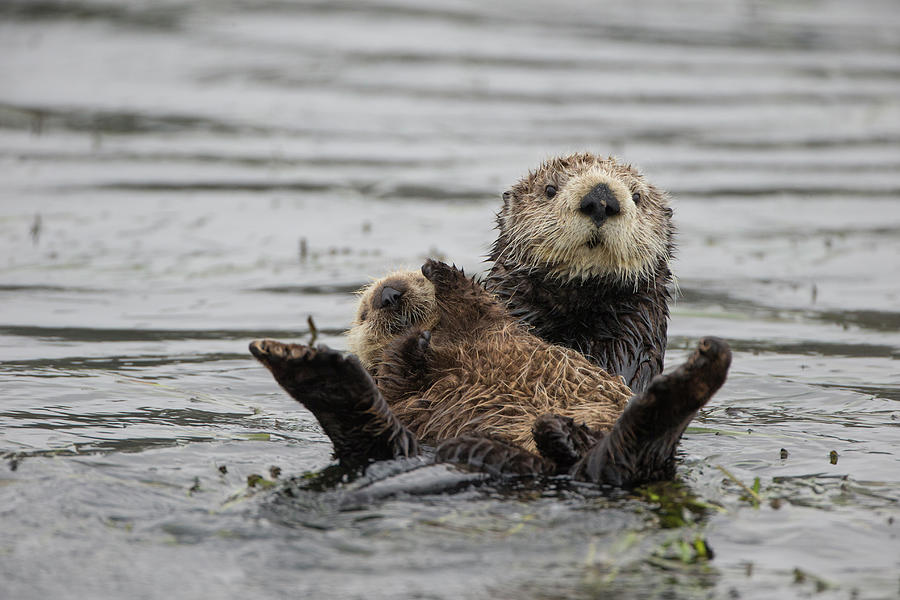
x: 627, y: 246
x: 374, y: 327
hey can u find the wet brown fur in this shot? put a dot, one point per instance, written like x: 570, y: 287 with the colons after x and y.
x: 482, y: 372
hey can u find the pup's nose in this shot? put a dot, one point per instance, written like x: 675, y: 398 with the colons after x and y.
x: 599, y: 203
x: 390, y: 296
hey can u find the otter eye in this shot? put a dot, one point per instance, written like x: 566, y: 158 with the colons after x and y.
x: 364, y: 315
x: 550, y: 191
x: 636, y: 197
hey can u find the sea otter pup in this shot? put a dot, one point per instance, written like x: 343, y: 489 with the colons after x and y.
x: 473, y: 369
x: 482, y: 373
x: 582, y: 256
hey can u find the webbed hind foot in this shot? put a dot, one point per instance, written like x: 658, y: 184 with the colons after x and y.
x: 641, y: 446
x: 342, y: 396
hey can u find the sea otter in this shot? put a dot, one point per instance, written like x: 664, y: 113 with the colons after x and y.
x: 582, y: 255
x: 481, y: 373
x: 450, y: 360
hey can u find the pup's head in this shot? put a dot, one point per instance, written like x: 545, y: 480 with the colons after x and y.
x: 397, y: 303
x: 582, y: 216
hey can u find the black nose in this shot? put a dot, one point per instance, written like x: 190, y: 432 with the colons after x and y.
x: 599, y: 203
x: 390, y: 296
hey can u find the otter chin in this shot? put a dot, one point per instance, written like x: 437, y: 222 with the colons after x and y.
x: 582, y: 256
x: 387, y: 308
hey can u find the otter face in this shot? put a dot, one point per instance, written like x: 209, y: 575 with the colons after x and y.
x: 583, y: 216
x: 389, y: 307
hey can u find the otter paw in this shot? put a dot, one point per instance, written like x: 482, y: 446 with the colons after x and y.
x: 293, y: 357
x: 692, y: 384
x: 313, y: 375
x: 438, y: 272
x: 641, y: 446
x: 562, y: 440
x: 273, y: 350
x: 342, y: 396
x: 407, y: 354
x: 431, y: 268
x: 715, y: 350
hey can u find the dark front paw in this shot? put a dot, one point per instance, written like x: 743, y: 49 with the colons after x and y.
x: 438, y: 272
x: 408, y: 353
x: 562, y: 440
x: 431, y: 267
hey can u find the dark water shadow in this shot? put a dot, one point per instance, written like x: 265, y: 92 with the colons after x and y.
x: 141, y: 17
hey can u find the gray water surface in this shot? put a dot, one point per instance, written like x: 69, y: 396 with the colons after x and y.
x: 162, y: 163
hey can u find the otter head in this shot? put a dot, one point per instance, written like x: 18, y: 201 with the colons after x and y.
x: 397, y: 303
x: 581, y: 216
